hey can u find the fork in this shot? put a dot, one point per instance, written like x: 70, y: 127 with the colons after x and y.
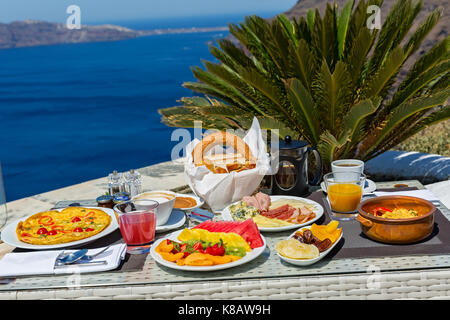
x: 92, y: 256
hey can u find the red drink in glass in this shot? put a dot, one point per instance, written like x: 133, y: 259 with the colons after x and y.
x: 138, y: 228
x: 137, y: 222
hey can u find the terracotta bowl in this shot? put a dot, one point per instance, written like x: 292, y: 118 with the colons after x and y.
x: 397, y: 231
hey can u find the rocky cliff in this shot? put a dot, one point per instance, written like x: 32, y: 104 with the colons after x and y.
x: 32, y: 33
x: 35, y: 33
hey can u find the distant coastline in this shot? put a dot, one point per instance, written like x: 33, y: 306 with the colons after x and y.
x: 31, y: 33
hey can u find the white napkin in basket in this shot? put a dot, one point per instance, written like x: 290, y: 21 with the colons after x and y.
x: 16, y: 264
x: 220, y: 190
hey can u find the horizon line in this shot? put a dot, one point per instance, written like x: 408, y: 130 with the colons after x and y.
x: 117, y: 20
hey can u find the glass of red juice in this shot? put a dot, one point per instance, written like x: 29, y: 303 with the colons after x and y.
x: 137, y: 223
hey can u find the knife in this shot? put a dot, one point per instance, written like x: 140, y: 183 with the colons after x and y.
x: 83, y: 263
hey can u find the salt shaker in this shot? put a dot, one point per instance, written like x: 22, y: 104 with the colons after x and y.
x: 115, y: 184
x: 133, y: 183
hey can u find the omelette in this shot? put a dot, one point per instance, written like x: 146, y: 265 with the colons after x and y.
x: 55, y: 227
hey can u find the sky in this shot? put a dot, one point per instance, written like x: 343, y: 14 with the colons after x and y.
x: 94, y: 11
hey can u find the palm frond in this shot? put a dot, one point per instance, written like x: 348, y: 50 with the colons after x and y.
x: 356, y: 116
x: 441, y: 83
x: 390, y: 31
x: 310, y: 19
x: 419, y: 83
x: 303, y: 106
x: 381, y: 80
x: 411, y: 11
x: 272, y: 92
x: 328, y: 146
x: 427, y: 61
x: 288, y: 27
x: 325, y: 35
x: 428, y: 24
x: 231, y: 55
x: 332, y: 93
x: 186, y: 117
x: 440, y: 114
x: 356, y: 57
x: 197, y: 101
x: 233, y: 95
x: 251, y: 42
x: 208, y: 90
x: 246, y: 93
x: 408, y: 109
x: 303, y: 63
x: 343, y: 21
x: 357, y: 21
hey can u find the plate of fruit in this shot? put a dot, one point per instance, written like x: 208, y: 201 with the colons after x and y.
x: 209, y: 246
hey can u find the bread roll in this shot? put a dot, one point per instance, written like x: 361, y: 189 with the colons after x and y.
x: 225, y: 162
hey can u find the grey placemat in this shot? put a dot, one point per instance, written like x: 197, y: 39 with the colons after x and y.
x: 356, y: 245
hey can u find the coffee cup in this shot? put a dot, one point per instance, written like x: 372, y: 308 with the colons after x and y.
x: 347, y: 170
x: 165, y: 199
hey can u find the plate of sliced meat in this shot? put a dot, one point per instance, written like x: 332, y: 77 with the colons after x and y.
x: 274, y: 213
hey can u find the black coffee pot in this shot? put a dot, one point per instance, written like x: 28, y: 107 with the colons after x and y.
x: 291, y: 178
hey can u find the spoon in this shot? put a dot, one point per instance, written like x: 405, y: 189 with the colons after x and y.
x: 72, y: 257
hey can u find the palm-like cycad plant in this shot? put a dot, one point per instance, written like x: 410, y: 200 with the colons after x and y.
x: 329, y: 80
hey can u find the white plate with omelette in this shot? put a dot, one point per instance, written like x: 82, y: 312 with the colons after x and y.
x: 9, y: 233
x: 275, y: 225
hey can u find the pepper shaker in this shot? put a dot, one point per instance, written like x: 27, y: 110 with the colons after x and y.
x: 115, y: 184
x: 133, y: 183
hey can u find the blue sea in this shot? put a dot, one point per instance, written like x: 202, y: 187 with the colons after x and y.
x: 76, y: 112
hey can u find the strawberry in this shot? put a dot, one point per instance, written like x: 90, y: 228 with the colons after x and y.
x: 198, y: 247
x: 216, y: 249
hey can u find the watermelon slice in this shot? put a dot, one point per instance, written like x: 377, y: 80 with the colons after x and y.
x: 246, y: 229
x: 205, y: 225
x: 250, y: 232
x: 230, y: 226
x: 217, y: 226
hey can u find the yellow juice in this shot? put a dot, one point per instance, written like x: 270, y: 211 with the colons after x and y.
x: 344, y: 197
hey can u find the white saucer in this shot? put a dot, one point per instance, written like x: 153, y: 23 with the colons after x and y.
x: 177, y: 219
x: 370, y: 186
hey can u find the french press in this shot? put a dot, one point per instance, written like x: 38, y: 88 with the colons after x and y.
x: 291, y: 178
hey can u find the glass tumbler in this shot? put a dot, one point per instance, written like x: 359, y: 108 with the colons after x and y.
x: 344, y: 190
x: 137, y: 223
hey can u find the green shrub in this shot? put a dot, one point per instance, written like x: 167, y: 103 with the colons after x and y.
x: 435, y: 139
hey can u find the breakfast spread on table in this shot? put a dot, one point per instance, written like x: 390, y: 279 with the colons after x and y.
x: 55, y: 227
x: 211, y: 244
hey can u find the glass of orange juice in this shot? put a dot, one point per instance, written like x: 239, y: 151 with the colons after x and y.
x: 344, y: 193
